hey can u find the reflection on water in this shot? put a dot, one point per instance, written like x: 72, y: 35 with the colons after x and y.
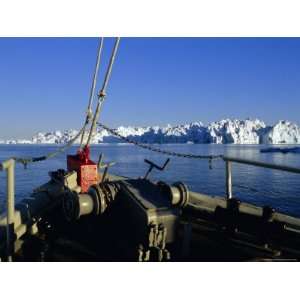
x: 252, y: 184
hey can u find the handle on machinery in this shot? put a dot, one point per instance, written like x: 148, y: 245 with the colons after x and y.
x: 153, y: 165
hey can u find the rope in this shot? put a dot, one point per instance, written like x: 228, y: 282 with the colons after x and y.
x: 170, y: 153
x: 89, y: 113
x: 102, y: 94
x: 26, y: 161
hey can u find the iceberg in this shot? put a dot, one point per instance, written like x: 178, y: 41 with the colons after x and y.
x: 227, y: 131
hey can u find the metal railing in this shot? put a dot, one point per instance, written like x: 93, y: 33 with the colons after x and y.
x: 9, y: 166
x: 229, y: 160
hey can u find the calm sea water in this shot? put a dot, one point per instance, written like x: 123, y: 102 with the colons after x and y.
x: 252, y: 184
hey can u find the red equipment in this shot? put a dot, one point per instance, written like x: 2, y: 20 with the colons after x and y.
x: 87, y: 171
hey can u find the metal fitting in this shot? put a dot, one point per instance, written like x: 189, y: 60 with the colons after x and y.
x: 178, y: 193
x: 102, y: 94
x: 95, y: 201
x: 76, y: 205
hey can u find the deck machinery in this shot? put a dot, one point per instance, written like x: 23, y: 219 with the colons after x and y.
x: 75, y: 218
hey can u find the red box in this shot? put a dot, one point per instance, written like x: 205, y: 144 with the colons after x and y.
x: 87, y: 171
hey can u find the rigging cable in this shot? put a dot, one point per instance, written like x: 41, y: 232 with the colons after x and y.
x: 102, y: 93
x: 89, y: 113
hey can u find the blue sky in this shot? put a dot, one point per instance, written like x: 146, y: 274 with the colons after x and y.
x: 45, y: 82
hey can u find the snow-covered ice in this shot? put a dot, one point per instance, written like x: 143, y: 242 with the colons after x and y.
x: 227, y: 131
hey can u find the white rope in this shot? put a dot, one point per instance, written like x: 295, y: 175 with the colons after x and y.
x: 102, y: 92
x: 89, y: 113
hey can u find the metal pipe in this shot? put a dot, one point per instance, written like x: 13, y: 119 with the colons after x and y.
x: 106, y: 170
x: 202, y: 202
x: 209, y: 203
x: 104, y: 173
x: 9, y: 166
x: 99, y: 165
x: 228, y: 180
x: 262, y: 164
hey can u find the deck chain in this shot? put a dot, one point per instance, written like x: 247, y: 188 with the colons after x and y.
x: 161, y: 151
